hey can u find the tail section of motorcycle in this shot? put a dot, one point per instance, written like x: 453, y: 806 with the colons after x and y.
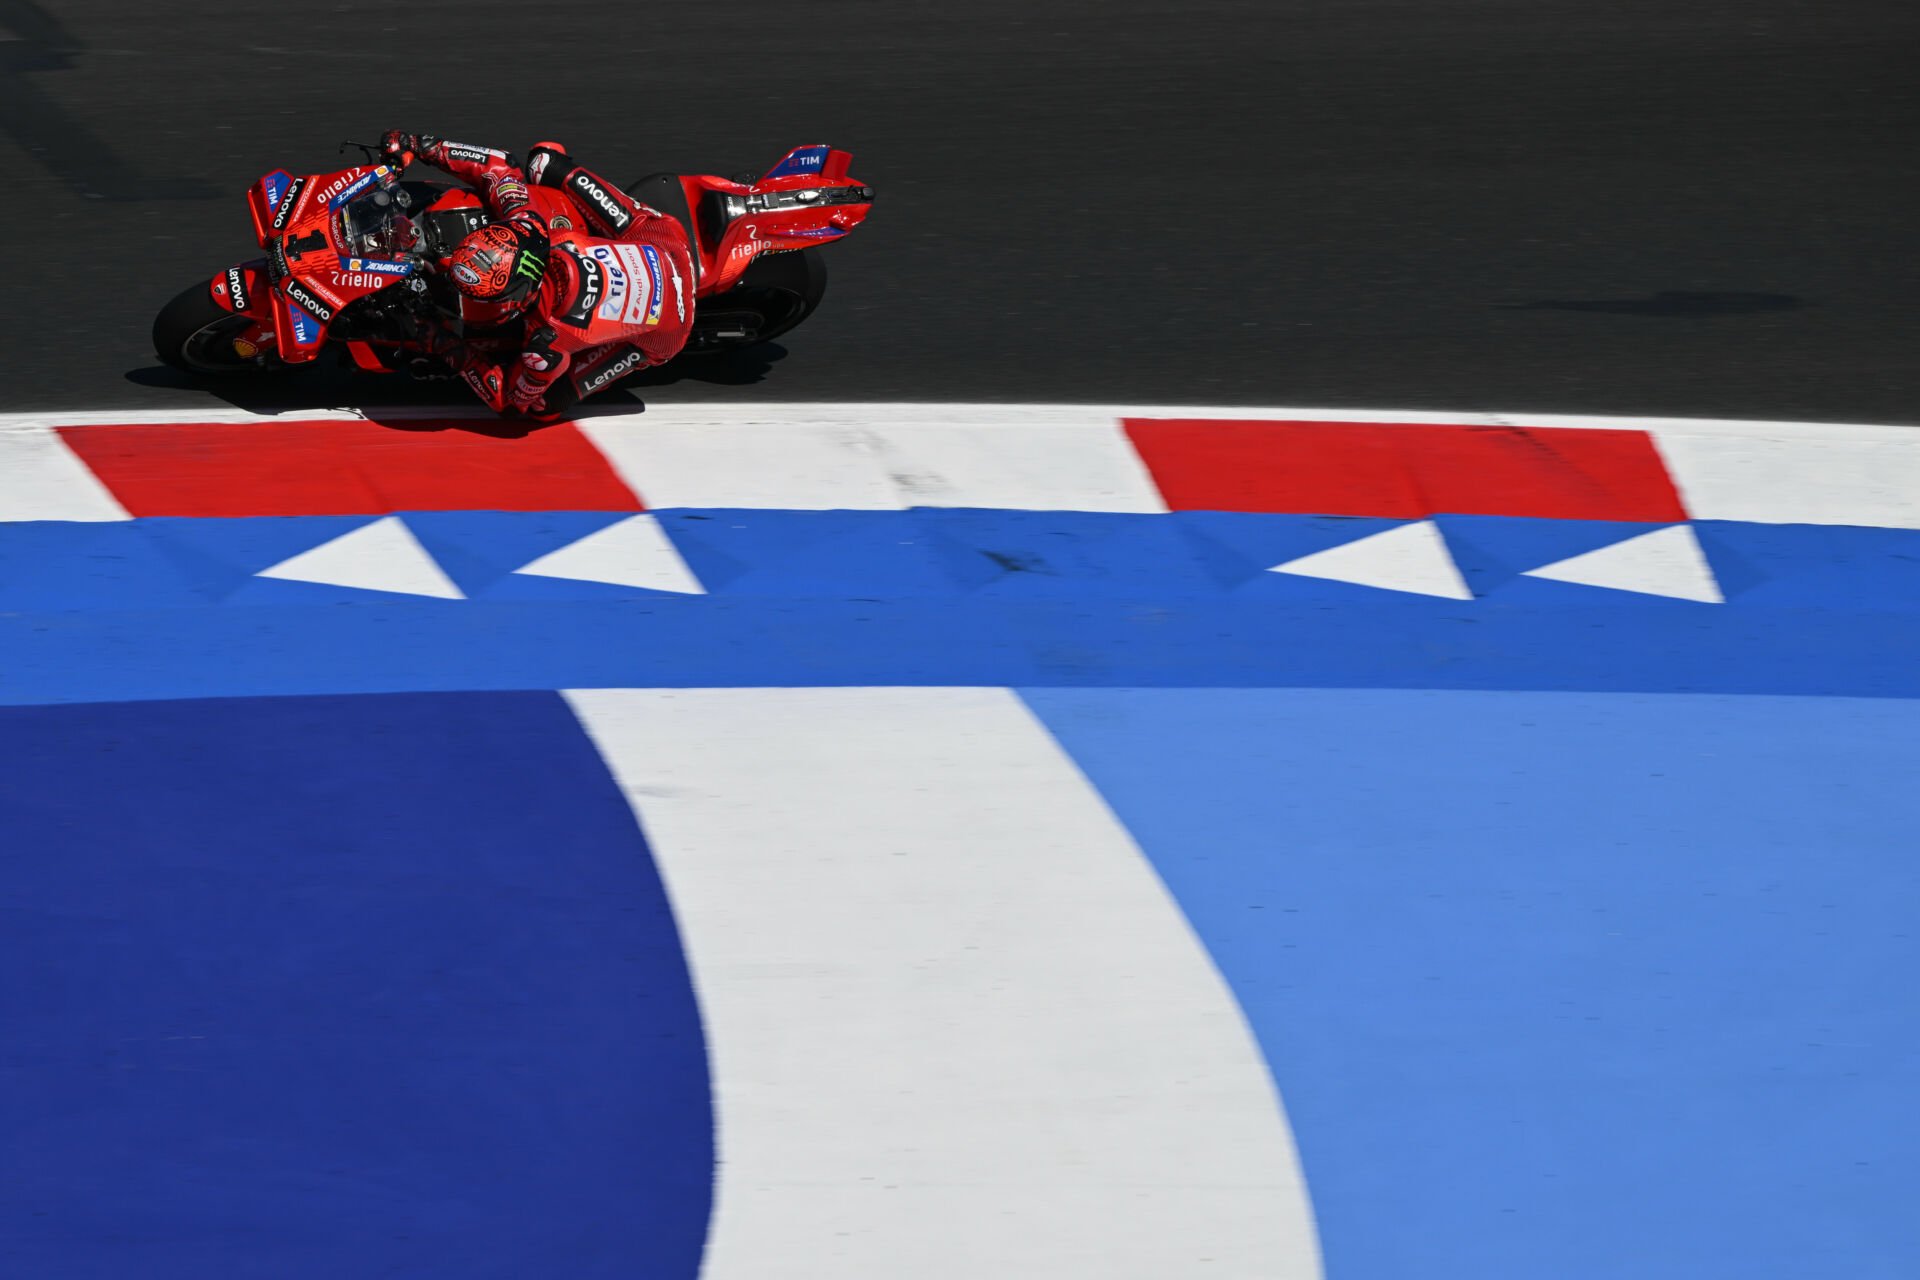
x: 758, y: 242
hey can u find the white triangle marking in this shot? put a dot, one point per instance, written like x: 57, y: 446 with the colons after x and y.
x: 636, y: 552
x: 382, y: 556
x: 1666, y: 562
x: 1410, y: 557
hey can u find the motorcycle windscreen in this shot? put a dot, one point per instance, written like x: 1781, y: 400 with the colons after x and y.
x: 374, y: 232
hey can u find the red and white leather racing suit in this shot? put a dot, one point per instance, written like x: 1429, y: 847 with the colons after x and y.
x: 615, y: 298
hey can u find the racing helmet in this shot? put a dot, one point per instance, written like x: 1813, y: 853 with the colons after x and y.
x: 500, y: 264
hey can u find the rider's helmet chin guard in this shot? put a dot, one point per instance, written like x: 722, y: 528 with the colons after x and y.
x: 500, y: 264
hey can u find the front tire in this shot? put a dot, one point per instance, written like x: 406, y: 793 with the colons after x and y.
x: 194, y: 334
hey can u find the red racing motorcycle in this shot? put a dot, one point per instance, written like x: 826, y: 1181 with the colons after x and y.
x: 354, y: 262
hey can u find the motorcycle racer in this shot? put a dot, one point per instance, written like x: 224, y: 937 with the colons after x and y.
x: 619, y: 298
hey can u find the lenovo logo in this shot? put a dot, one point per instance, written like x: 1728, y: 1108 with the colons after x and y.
x: 612, y: 373
x: 306, y: 299
x: 237, y: 288
x: 592, y: 285
x: 284, y: 213
x: 593, y: 192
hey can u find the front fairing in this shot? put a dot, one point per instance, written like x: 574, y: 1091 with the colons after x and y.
x: 321, y: 258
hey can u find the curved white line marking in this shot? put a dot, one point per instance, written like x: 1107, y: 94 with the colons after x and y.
x: 958, y: 1028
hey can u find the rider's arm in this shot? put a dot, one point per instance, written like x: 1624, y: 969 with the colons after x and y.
x: 519, y: 384
x: 495, y: 173
x: 609, y: 210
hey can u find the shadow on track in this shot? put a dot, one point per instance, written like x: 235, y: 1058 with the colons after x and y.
x: 47, y: 131
x: 328, y: 386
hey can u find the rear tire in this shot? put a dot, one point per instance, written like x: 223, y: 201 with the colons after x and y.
x: 194, y: 334
x: 775, y: 294
x: 802, y: 274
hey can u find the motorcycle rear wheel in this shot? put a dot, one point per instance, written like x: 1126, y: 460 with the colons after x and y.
x: 774, y: 295
x: 194, y: 334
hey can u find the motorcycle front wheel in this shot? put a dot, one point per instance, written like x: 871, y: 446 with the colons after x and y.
x: 195, y: 334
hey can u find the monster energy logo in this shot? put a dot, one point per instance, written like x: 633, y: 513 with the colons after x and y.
x: 530, y: 266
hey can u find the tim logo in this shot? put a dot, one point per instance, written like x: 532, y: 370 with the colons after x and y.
x: 808, y: 160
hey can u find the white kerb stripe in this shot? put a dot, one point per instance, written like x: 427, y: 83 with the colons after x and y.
x: 1796, y: 479
x: 42, y: 479
x: 957, y: 1026
x: 867, y: 462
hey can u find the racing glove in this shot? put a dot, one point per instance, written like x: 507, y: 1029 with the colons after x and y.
x: 540, y: 367
x: 397, y: 144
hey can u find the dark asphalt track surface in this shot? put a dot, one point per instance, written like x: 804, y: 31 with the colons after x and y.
x: 1704, y: 207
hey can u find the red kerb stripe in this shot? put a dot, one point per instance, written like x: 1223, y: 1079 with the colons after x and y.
x: 1405, y: 471
x: 345, y: 468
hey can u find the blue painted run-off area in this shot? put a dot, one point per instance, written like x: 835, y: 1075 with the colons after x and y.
x: 1556, y: 985
x: 1567, y: 960
x: 338, y: 987
x: 163, y: 608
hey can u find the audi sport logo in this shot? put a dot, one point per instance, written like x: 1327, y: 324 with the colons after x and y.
x: 610, y: 208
